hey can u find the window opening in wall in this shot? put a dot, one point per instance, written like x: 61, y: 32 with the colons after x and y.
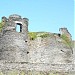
x: 19, y: 27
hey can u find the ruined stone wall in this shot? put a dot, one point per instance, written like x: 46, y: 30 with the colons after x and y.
x: 18, y: 51
x: 66, y: 32
x: 49, y: 50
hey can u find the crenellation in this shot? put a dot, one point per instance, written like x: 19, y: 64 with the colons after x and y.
x: 15, y: 17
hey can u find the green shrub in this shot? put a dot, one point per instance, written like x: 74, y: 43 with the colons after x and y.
x: 67, y: 40
x: 32, y: 35
x: 1, y: 26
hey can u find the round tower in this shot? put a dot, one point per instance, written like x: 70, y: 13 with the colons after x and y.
x: 13, y: 44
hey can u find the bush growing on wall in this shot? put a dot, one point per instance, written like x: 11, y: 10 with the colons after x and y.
x: 32, y: 35
x: 1, y: 26
x: 67, y: 40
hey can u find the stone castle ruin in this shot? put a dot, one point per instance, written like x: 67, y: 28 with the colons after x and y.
x: 18, y: 51
x: 13, y: 45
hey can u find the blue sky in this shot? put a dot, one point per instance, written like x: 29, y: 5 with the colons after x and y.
x: 44, y: 15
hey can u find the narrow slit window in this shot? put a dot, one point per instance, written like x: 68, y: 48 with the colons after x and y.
x: 18, y: 27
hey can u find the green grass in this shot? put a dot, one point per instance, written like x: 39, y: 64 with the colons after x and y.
x: 34, y: 35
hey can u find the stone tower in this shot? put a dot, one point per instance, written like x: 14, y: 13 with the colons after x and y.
x: 66, y: 32
x: 13, y: 44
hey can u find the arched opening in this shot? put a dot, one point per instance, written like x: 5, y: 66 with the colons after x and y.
x: 18, y: 27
